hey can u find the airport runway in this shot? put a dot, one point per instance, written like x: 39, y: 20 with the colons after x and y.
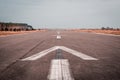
x: 60, y: 55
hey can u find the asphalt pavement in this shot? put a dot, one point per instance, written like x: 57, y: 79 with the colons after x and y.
x: 105, y: 48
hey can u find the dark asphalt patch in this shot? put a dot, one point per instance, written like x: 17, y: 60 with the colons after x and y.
x: 59, y: 54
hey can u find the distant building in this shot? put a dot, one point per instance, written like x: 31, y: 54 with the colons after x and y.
x: 14, y: 27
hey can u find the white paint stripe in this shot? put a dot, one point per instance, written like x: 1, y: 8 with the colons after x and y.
x: 60, y: 70
x: 45, y: 52
x: 78, y: 54
x: 58, y: 37
x: 40, y: 54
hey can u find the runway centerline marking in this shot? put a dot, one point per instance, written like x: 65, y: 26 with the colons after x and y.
x: 58, y: 37
x: 60, y: 70
x: 45, y: 52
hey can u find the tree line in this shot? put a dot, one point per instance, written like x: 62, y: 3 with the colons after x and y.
x: 109, y: 28
x: 14, y: 26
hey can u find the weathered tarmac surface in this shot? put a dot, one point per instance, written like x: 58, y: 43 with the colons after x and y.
x: 105, y: 48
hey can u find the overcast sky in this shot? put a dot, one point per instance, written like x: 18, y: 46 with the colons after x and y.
x: 62, y: 13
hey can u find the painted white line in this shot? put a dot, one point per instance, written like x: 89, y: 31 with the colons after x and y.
x: 78, y: 54
x: 40, y: 54
x: 60, y: 70
x: 45, y: 52
x: 58, y: 37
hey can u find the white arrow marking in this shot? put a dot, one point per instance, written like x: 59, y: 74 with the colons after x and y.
x: 45, y: 52
x: 78, y: 54
x: 40, y: 54
x: 60, y: 70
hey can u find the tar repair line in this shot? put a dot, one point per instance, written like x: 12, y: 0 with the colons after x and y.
x: 45, y: 52
x: 60, y: 70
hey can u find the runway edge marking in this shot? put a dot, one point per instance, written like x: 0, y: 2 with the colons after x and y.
x: 45, y: 52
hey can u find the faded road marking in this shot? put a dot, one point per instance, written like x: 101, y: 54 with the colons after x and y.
x: 60, y: 70
x: 58, y: 37
x: 45, y: 52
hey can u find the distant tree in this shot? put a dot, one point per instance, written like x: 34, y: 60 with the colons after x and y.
x: 117, y: 29
x: 18, y: 29
x: 2, y: 29
x: 10, y: 29
x: 27, y: 29
x: 111, y: 28
x: 103, y: 28
x: 107, y: 28
x: 14, y: 29
x: 6, y: 29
